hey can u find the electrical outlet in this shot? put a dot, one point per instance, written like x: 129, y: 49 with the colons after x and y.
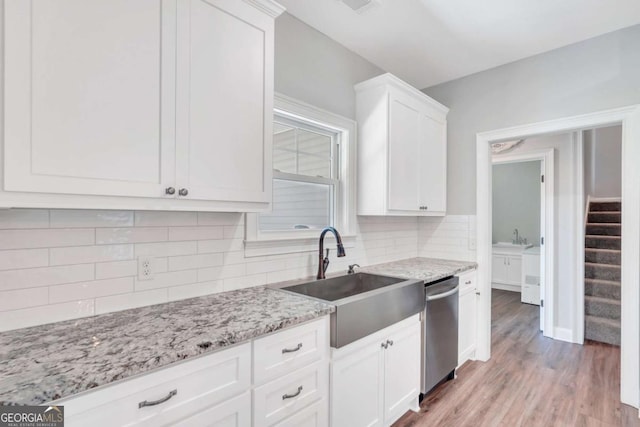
x: 145, y: 268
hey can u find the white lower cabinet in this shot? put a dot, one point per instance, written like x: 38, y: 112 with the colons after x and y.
x: 377, y: 378
x: 286, y: 386
x: 467, y: 311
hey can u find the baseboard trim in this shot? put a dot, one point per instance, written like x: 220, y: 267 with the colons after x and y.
x: 503, y: 287
x: 563, y: 334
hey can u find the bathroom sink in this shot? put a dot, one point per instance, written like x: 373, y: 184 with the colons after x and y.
x: 509, y: 245
x: 365, y: 303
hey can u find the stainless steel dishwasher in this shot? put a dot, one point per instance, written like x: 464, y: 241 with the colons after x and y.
x: 439, y: 332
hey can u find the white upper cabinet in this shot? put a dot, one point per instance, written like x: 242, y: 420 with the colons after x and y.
x: 166, y: 102
x: 402, y: 149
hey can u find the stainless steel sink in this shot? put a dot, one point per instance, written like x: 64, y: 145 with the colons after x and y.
x: 365, y: 303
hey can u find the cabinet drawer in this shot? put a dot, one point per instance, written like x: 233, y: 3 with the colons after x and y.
x: 285, y: 396
x: 316, y: 415
x: 197, y: 384
x: 467, y: 281
x: 235, y: 412
x: 285, y: 351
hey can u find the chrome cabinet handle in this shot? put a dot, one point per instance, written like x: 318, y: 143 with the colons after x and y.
x: 291, y: 396
x: 390, y: 342
x: 292, y: 350
x: 468, y: 282
x: 169, y: 190
x: 159, y: 401
x: 384, y: 344
x: 183, y: 192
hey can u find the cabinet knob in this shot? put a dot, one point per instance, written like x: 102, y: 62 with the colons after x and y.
x: 169, y: 190
x: 183, y: 192
x: 384, y: 345
x: 390, y: 342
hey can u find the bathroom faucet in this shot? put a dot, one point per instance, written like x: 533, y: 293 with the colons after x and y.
x: 517, y: 239
x: 324, y: 261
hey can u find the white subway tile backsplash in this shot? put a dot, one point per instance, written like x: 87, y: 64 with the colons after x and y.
x: 34, y: 277
x: 63, y: 264
x: 23, y: 298
x: 90, y: 218
x: 106, y: 236
x: 93, y: 289
x: 131, y: 300
x: 25, y: 239
x: 195, y: 233
x: 162, y: 218
x: 90, y: 254
x: 23, y: 258
x: 33, y: 316
x: 24, y: 218
x: 166, y: 249
x: 110, y: 270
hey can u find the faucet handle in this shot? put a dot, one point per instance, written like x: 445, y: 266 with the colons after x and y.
x: 351, y: 268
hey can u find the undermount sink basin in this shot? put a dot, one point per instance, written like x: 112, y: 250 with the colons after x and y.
x: 365, y: 303
x: 509, y: 245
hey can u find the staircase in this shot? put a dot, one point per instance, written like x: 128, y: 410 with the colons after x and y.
x: 602, y: 272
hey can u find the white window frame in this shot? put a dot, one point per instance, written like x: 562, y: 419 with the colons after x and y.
x: 259, y: 243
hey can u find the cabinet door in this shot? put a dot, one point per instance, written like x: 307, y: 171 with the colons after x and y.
x: 433, y: 164
x: 514, y: 270
x: 89, y: 96
x: 357, y: 388
x: 499, y: 269
x: 466, y: 325
x: 225, y: 100
x: 404, y: 138
x: 402, y: 372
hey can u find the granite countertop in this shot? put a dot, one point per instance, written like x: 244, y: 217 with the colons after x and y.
x: 427, y: 269
x: 57, y: 360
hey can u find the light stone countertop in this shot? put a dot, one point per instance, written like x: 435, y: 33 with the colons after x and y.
x: 53, y: 361
x: 57, y: 360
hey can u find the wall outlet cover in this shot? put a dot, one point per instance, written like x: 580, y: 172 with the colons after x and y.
x: 146, y: 268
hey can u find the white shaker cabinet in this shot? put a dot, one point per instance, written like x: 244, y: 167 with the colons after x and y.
x: 506, y: 271
x: 467, y: 312
x: 402, y: 149
x: 146, y: 104
x: 376, y: 379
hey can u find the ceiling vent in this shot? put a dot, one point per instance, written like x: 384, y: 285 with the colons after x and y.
x: 361, y: 6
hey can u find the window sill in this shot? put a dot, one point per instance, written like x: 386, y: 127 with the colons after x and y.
x: 290, y: 245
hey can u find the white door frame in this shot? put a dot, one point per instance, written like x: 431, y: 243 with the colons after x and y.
x: 546, y: 157
x: 629, y: 117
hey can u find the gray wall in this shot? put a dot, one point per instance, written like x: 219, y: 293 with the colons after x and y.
x: 516, y: 201
x: 602, y: 162
x: 313, y: 68
x: 594, y: 75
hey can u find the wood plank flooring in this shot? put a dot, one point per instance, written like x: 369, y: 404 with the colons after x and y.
x: 529, y: 380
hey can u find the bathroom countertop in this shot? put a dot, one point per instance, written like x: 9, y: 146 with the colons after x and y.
x: 56, y: 360
x: 427, y: 269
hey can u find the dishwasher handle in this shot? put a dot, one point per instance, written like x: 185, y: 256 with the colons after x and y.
x: 442, y: 295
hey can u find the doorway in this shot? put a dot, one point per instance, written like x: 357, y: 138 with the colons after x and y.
x: 629, y: 117
x: 523, y: 224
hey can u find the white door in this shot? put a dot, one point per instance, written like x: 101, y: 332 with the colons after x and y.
x: 433, y: 164
x: 499, y: 269
x: 357, y: 388
x: 404, y: 166
x: 401, y: 371
x: 89, y: 96
x: 225, y: 100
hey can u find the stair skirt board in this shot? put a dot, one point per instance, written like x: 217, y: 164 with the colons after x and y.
x: 602, y: 270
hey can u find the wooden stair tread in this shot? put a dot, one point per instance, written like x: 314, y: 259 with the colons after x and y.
x: 602, y: 281
x: 603, y: 320
x: 595, y: 264
x: 602, y: 300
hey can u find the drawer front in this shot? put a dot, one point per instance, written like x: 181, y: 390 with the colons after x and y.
x: 281, y: 398
x: 278, y: 354
x: 188, y: 388
x: 235, y: 412
x: 316, y: 415
x: 467, y: 280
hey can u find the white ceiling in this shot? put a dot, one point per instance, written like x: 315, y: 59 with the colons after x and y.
x: 426, y: 42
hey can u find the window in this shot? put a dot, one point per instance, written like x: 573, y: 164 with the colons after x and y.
x: 313, y: 183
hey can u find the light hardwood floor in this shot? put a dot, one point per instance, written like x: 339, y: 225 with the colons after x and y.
x: 529, y: 380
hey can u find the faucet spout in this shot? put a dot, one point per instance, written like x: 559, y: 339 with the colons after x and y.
x: 324, y: 262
